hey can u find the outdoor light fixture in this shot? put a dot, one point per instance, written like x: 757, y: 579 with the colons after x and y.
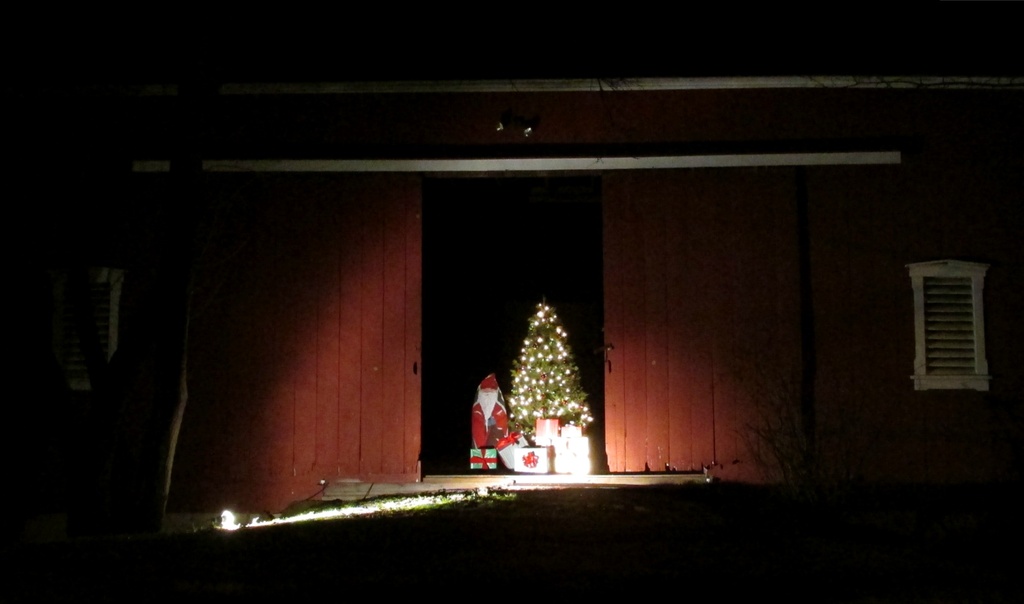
x: 228, y: 521
x: 511, y: 120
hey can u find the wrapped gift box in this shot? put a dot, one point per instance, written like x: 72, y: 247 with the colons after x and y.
x: 507, y: 449
x: 535, y: 460
x: 572, y: 454
x: 544, y: 430
x: 571, y: 431
x: 547, y: 427
x: 484, y: 458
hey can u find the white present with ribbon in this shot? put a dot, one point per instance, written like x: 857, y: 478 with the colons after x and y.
x: 533, y: 460
x: 572, y: 454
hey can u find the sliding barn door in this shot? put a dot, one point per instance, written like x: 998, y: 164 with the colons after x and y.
x: 701, y: 302
x: 304, y: 364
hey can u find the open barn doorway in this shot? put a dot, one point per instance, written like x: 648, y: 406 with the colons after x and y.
x: 492, y: 249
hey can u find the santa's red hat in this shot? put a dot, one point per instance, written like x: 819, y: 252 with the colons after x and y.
x: 489, y: 383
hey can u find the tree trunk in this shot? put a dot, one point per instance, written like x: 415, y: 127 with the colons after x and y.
x: 136, y: 412
x: 174, y: 293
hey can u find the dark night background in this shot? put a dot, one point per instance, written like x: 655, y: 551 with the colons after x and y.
x: 492, y: 249
x: 148, y: 46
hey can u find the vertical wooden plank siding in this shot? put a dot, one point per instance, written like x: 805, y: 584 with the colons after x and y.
x: 324, y: 333
x: 748, y: 207
x: 694, y: 310
x: 371, y: 337
x: 393, y: 368
x: 328, y: 341
x: 656, y: 339
x: 728, y: 247
x: 350, y: 325
x: 681, y: 257
x: 626, y: 427
x: 634, y: 347
x: 410, y: 190
x: 863, y: 231
x: 304, y: 349
x: 277, y: 411
x: 696, y: 307
x: 614, y: 378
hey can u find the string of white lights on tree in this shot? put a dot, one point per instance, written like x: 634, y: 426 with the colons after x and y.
x: 545, y: 378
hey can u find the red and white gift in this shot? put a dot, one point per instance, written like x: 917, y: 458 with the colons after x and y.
x: 545, y: 430
x: 507, y: 448
x: 533, y: 460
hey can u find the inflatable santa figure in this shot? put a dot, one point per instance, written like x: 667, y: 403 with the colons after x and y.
x: 490, y: 417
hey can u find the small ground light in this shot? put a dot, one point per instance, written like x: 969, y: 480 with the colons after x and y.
x: 228, y: 522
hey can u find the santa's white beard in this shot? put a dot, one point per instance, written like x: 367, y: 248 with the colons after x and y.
x: 487, y: 400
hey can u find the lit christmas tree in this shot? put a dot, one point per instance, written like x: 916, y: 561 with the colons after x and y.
x: 545, y: 379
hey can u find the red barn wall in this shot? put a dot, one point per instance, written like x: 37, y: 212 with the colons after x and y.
x: 701, y: 283
x: 867, y: 225
x: 304, y: 359
x: 702, y: 306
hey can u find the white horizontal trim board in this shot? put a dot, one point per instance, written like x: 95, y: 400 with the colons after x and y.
x: 536, y: 164
x: 602, y: 85
x: 618, y: 84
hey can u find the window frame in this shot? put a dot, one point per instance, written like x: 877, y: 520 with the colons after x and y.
x: 924, y: 379
x: 65, y: 341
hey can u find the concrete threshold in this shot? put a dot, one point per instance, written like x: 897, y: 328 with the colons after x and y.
x: 356, y: 491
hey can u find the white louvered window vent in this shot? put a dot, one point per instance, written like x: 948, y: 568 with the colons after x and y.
x: 105, y: 288
x: 949, y: 325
